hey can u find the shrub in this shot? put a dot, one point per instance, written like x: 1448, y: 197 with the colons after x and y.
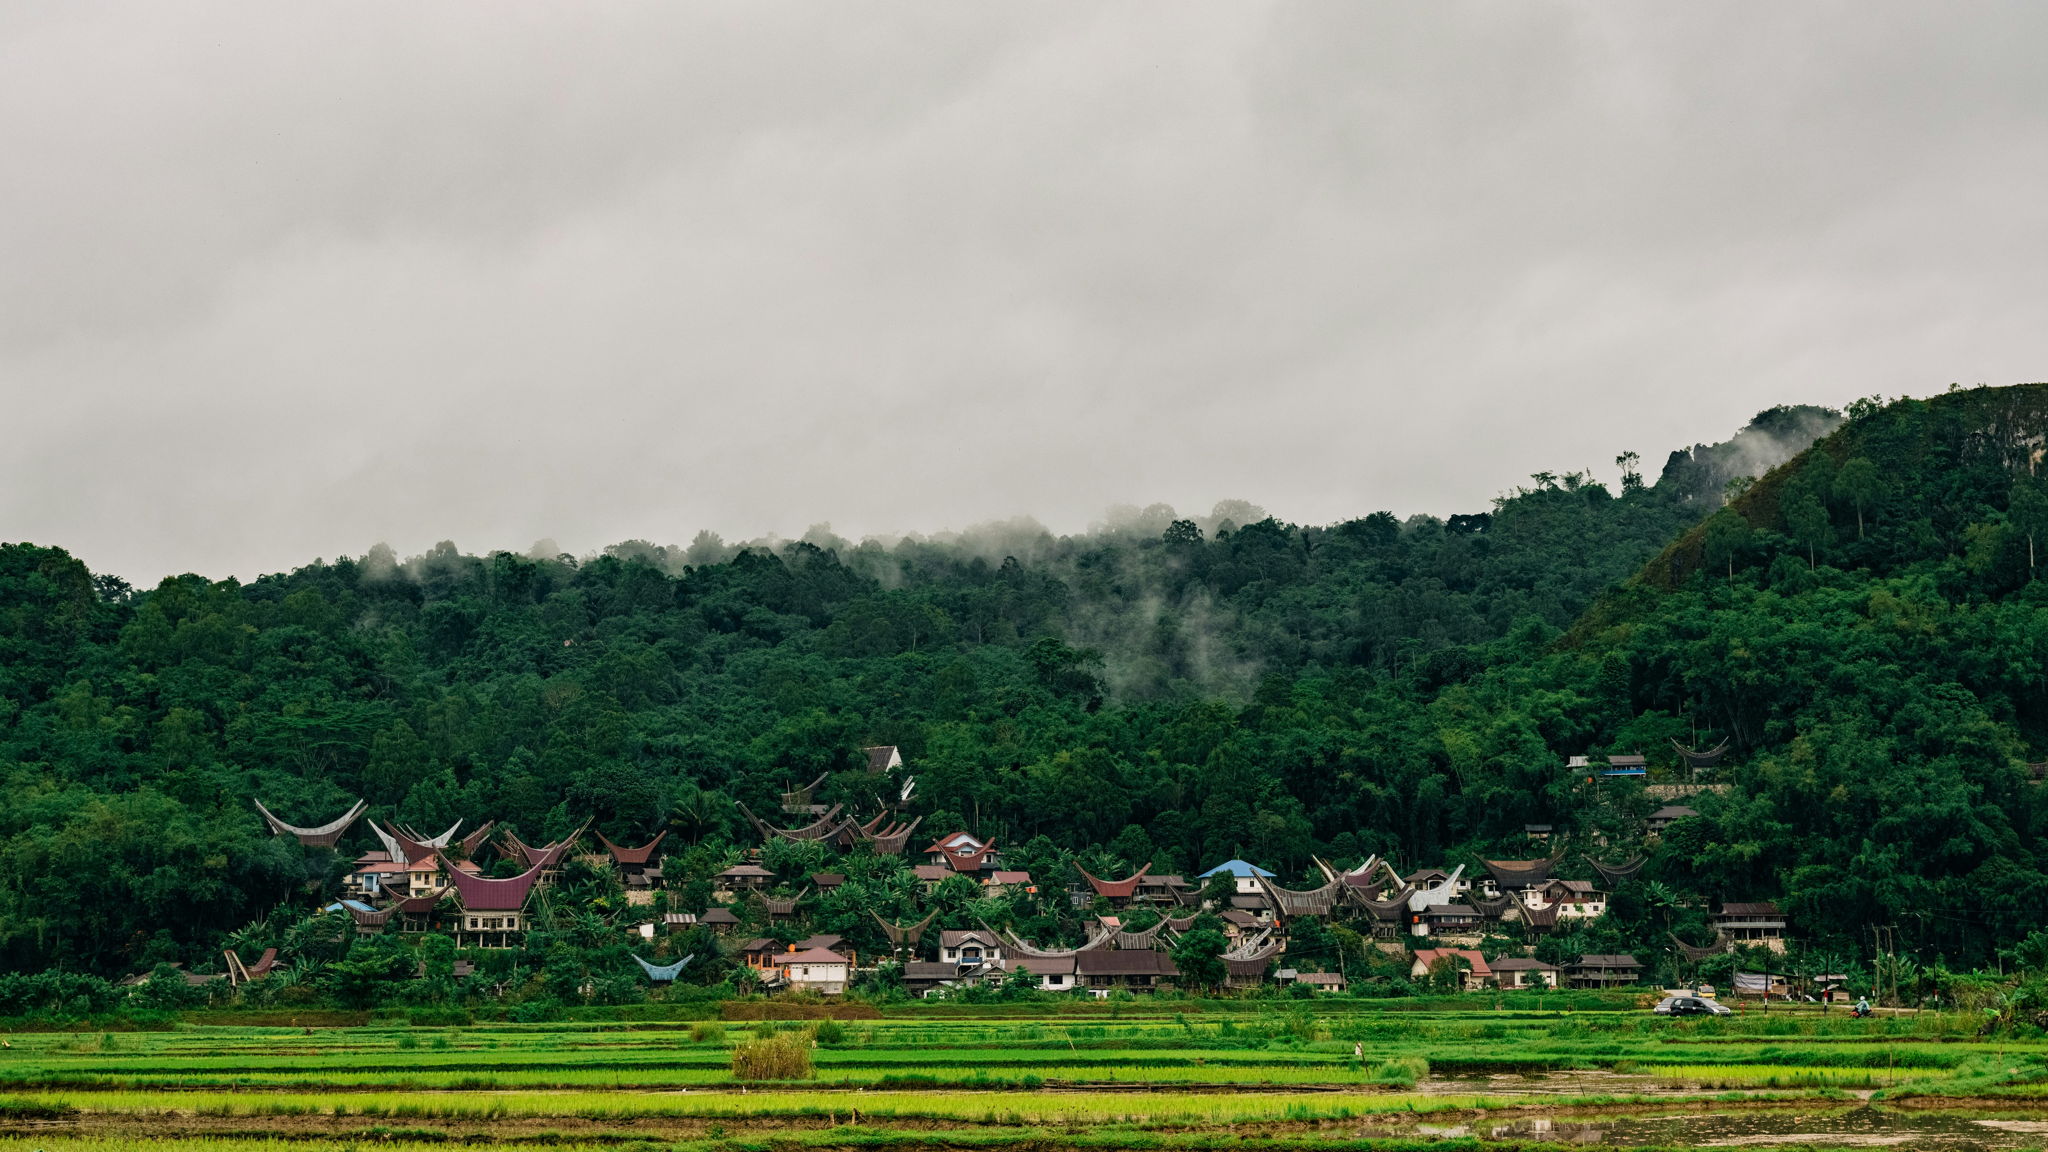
x: 706, y: 1032
x: 829, y: 1032
x: 785, y: 1057
x: 535, y: 1011
x: 1401, y: 1071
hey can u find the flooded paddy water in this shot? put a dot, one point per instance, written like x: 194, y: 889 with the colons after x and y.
x: 1725, y: 1126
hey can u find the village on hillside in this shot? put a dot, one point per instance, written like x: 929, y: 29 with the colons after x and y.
x: 1464, y: 926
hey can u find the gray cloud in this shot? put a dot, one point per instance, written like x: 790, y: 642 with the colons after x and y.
x: 282, y: 281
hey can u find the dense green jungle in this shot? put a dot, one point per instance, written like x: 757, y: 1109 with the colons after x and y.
x: 1859, y: 619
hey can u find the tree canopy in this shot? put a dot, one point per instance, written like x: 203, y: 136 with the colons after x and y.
x: 1860, y: 623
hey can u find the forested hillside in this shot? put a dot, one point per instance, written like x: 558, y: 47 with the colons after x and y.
x: 1862, y: 624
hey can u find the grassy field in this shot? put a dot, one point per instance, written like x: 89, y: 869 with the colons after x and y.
x: 1295, y: 1074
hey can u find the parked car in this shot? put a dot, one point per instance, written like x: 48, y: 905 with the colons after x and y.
x: 1690, y: 1006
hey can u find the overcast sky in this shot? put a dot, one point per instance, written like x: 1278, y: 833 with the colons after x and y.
x: 283, y: 280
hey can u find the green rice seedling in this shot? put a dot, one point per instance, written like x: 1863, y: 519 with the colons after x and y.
x: 1784, y: 1076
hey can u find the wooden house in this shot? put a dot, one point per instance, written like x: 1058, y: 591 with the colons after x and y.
x: 760, y: 953
x: 1758, y: 924
x: 1170, y: 891
x: 1432, y: 877
x: 1665, y: 817
x: 1237, y: 923
x: 1445, y: 921
x: 1260, y: 905
x: 923, y: 977
x: 1603, y: 971
x: 740, y: 879
x: 1320, y: 981
x: 1572, y: 899
x: 1141, y: 970
x: 1523, y: 972
x: 970, y: 946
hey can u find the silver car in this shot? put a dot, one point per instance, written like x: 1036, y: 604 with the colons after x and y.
x: 1691, y: 1006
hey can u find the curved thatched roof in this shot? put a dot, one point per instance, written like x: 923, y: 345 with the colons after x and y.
x: 324, y: 836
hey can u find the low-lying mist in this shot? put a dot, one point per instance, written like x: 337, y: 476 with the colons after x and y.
x: 1164, y: 602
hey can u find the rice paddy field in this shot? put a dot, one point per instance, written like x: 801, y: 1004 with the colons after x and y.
x: 1298, y: 1075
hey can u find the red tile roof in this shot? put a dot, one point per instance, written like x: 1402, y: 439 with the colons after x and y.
x: 1429, y: 957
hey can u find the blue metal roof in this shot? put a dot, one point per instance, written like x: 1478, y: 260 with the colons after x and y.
x: 1236, y: 868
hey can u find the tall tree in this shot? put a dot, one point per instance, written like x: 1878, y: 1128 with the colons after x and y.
x: 1199, y: 956
x: 1727, y: 534
x: 1809, y: 523
x: 1859, y: 482
x: 2027, y: 508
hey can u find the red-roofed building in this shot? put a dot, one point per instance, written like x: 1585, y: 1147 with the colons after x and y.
x: 816, y: 970
x: 1001, y: 880
x: 1475, y: 972
x: 963, y: 852
x: 375, y: 874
